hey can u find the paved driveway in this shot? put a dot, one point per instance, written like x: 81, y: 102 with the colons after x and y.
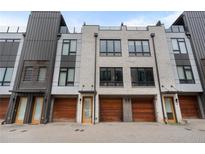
x: 194, y: 131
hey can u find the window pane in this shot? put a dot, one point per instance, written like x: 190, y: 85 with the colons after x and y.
x: 103, y: 74
x: 2, y: 71
x: 102, y: 46
x: 188, y: 74
x: 145, y: 46
x: 62, y: 78
x: 180, y: 72
x: 8, y: 75
x: 66, y: 47
x: 141, y: 75
x: 118, y: 74
x: 182, y: 47
x: 73, y: 46
x: 71, y: 74
x: 131, y: 46
x: 110, y: 46
x: 149, y: 75
x: 42, y: 74
x: 117, y: 46
x: 138, y: 46
x: 175, y: 44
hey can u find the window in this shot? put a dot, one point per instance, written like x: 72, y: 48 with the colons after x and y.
x: 185, y: 74
x: 111, y: 76
x: 179, y: 46
x: 138, y: 48
x: 69, y: 47
x: 110, y: 48
x: 5, y: 76
x: 142, y: 77
x: 66, y: 77
x: 42, y: 74
x: 28, y: 75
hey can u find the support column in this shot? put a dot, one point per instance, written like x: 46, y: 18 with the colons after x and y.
x: 201, y: 107
x: 127, y: 110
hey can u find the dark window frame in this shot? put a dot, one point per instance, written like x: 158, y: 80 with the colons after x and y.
x: 143, y: 53
x: 179, y: 51
x: 24, y: 76
x: 186, y: 81
x: 70, y: 53
x: 66, y: 71
x: 108, y: 53
x: 3, y: 82
x: 113, y: 81
x: 144, y: 83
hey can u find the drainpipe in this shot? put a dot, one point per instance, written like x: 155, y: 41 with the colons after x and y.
x: 157, y: 69
x: 95, y: 35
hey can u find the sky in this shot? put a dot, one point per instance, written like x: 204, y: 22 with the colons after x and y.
x: 103, y: 18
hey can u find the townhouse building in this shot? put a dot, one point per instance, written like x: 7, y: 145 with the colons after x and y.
x: 193, y: 23
x: 102, y: 74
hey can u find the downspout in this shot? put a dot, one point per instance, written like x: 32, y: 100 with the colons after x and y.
x: 157, y: 69
x: 95, y: 35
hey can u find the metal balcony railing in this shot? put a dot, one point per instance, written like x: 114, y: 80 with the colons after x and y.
x: 175, y: 29
x: 12, y: 29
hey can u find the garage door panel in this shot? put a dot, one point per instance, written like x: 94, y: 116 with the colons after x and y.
x: 110, y: 110
x: 4, y: 102
x: 189, y: 106
x: 143, y: 110
x: 65, y: 109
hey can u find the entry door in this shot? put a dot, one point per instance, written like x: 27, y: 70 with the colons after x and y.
x: 169, y: 106
x: 87, y: 109
x: 21, y: 110
x: 37, y: 109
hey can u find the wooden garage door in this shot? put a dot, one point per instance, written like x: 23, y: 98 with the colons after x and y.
x: 111, y: 109
x: 64, y: 109
x: 189, y: 106
x: 4, y: 102
x: 143, y: 109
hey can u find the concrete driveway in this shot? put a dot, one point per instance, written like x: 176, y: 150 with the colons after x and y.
x: 194, y: 131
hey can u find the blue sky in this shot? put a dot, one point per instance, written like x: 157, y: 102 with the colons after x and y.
x: 77, y: 18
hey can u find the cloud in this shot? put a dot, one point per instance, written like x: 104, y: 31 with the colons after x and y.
x: 145, y: 21
x: 169, y: 20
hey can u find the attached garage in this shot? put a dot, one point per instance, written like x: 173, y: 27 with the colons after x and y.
x: 4, y: 102
x: 189, y: 106
x: 111, y: 110
x: 143, y: 110
x: 64, y: 109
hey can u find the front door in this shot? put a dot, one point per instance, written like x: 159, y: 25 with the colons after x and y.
x: 169, y: 106
x: 21, y: 110
x: 87, y: 110
x: 37, y: 109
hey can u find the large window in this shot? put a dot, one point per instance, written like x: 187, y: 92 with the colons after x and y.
x: 111, y: 76
x: 5, y: 76
x: 69, y: 47
x: 66, y: 77
x: 179, y: 46
x: 185, y: 74
x: 42, y: 74
x: 110, y: 48
x: 142, y: 77
x: 28, y: 74
x: 138, y: 48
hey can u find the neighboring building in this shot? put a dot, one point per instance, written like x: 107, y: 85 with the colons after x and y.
x: 103, y: 74
x: 187, y: 86
x: 193, y: 22
x: 11, y: 42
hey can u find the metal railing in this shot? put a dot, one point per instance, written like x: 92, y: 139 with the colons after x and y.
x: 12, y: 29
x: 110, y: 27
x: 137, y: 28
x: 175, y: 29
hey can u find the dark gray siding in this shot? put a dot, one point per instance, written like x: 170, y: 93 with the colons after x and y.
x: 182, y: 59
x: 8, y: 52
x: 68, y: 61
